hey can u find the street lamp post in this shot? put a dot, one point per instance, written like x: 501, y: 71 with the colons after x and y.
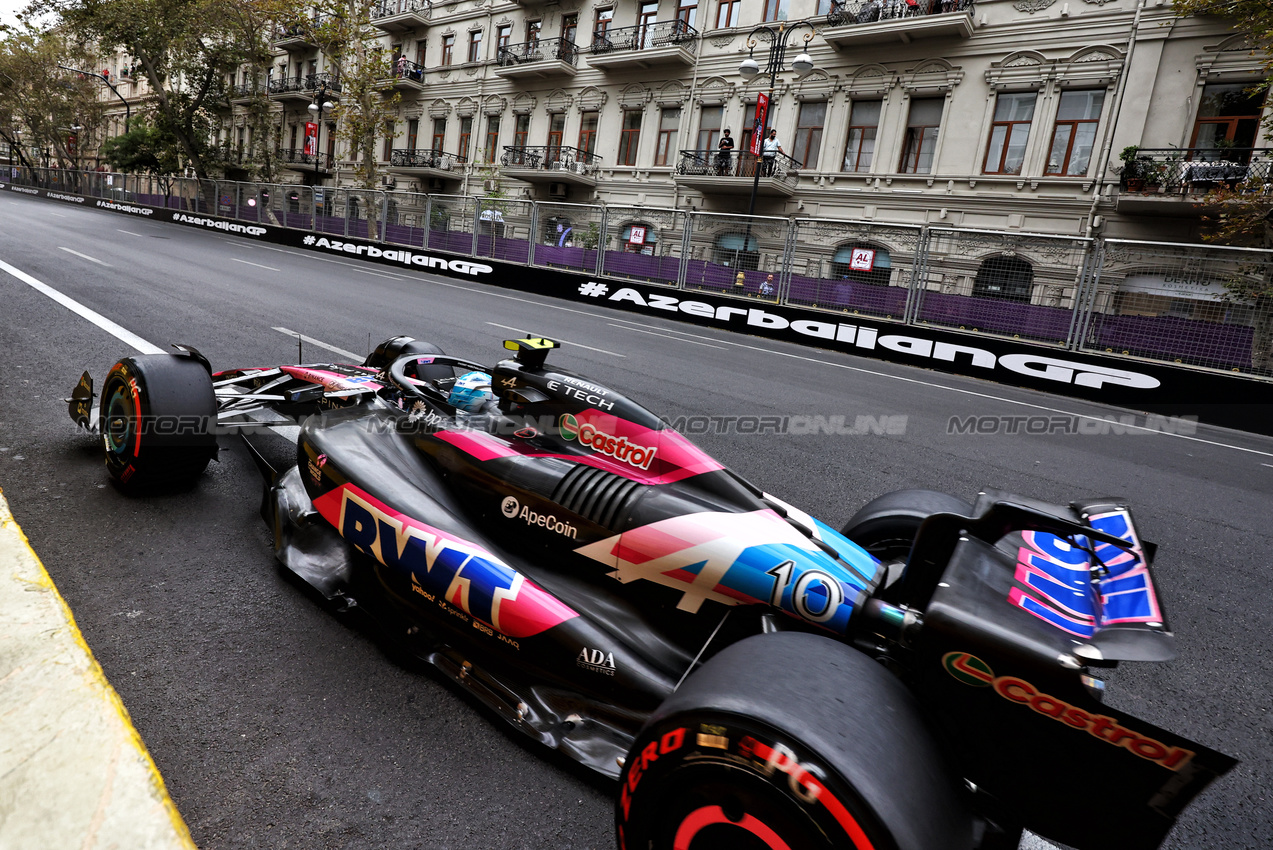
x: 318, y: 107
x: 127, y: 109
x: 749, y: 68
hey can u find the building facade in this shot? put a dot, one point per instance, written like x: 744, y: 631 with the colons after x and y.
x: 994, y: 114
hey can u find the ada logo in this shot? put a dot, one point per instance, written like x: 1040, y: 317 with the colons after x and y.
x: 509, y: 507
x: 596, y: 660
x: 607, y: 444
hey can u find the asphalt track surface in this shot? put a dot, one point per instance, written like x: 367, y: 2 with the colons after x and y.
x: 278, y: 725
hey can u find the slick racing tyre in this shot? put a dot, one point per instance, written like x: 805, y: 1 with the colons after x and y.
x: 886, y: 526
x: 789, y: 741
x: 157, y: 420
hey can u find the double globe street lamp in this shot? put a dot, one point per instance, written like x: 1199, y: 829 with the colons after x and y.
x: 749, y: 69
x: 320, y: 105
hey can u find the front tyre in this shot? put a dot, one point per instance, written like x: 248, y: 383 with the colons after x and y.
x: 157, y: 420
x: 785, y: 742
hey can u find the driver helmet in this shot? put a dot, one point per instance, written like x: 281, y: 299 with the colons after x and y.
x: 470, y: 391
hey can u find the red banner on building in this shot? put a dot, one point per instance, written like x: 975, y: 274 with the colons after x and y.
x: 311, y: 138
x: 758, y: 129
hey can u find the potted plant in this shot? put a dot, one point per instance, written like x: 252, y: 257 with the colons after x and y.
x: 1133, y: 179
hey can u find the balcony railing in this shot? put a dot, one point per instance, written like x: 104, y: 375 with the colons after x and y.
x: 306, y: 83
x: 426, y: 158
x: 404, y: 69
x: 1172, y: 170
x: 389, y: 8
x: 660, y: 34
x: 297, y: 156
x: 538, y: 51
x: 549, y: 158
x: 302, y: 30
x: 847, y: 12
x: 736, y: 164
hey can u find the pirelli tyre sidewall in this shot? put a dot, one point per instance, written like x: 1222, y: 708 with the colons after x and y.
x: 765, y: 752
x: 157, y: 420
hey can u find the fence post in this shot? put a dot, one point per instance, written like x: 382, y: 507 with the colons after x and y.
x: 784, y: 271
x: 919, y: 272
x: 683, y: 272
x: 428, y: 220
x: 1088, y: 306
x: 534, y: 233
x: 477, y: 224
x: 603, y: 235
x: 384, y: 216
x: 1080, y: 292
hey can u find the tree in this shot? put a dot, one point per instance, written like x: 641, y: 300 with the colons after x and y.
x: 185, y: 50
x: 364, y: 69
x: 41, y: 101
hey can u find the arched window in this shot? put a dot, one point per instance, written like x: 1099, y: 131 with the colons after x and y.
x: 736, y: 250
x: 862, y: 263
x: 1009, y: 278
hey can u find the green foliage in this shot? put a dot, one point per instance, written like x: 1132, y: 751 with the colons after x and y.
x: 143, y: 149
x: 591, y: 236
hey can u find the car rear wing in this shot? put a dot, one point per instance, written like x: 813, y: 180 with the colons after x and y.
x: 1081, y: 568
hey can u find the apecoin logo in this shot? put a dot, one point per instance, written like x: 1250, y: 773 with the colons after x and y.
x: 509, y: 507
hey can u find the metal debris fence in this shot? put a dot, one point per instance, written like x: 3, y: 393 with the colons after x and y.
x: 1203, y: 306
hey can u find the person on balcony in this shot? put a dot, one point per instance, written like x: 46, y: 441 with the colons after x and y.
x: 769, y: 150
x: 724, y: 152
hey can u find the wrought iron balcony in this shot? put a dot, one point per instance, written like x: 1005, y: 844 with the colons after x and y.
x: 297, y: 33
x: 537, y: 58
x: 406, y: 74
x: 872, y: 21
x: 659, y: 34
x: 550, y: 158
x: 434, y: 159
x: 299, y: 160
x: 1196, y: 170
x: 733, y: 172
x: 420, y: 9
x: 305, y: 85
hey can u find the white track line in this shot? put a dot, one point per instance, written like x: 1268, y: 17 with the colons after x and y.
x: 125, y: 336
x: 559, y: 339
x: 667, y: 336
x: 258, y: 265
x: 85, y: 257
x: 353, y: 358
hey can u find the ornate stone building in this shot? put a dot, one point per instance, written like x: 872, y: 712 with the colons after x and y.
x: 993, y: 114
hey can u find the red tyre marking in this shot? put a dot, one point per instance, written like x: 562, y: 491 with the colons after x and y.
x: 700, y: 819
x: 826, y: 798
x: 136, y: 406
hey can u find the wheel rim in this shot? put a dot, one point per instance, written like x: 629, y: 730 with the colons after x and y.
x: 118, y: 422
x: 719, y: 806
x: 709, y: 826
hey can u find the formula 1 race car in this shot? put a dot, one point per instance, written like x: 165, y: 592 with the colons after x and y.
x: 929, y: 677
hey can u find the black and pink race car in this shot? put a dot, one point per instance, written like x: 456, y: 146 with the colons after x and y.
x: 928, y: 677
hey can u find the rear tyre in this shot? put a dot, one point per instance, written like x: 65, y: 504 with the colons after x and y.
x: 789, y: 741
x: 886, y: 526
x: 157, y: 420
